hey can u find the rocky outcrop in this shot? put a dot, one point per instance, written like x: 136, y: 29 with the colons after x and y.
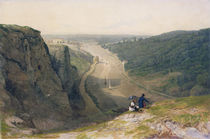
x: 68, y: 74
x: 28, y: 83
x: 135, y: 125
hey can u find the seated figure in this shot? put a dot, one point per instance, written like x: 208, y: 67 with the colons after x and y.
x: 133, y: 106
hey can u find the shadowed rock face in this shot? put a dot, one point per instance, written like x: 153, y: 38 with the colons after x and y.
x: 68, y: 74
x: 28, y: 83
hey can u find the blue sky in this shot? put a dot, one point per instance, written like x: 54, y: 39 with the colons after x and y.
x: 107, y: 16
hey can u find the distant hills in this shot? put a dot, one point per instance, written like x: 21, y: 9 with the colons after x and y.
x: 186, y: 53
x: 102, y: 39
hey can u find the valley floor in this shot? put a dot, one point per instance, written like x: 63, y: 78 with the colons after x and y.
x: 108, y: 82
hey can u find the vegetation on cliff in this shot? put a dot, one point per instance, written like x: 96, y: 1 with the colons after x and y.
x: 185, y: 53
x: 81, y: 61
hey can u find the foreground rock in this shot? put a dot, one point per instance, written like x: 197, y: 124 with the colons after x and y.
x: 137, y: 125
x: 184, y: 118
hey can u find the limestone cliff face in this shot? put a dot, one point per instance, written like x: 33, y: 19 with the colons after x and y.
x: 68, y: 74
x: 28, y: 83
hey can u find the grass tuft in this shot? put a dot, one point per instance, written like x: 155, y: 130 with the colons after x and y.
x: 82, y: 136
x: 91, y: 127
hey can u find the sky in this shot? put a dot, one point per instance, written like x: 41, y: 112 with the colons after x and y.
x: 140, y: 17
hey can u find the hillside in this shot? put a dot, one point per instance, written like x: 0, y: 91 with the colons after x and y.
x: 38, y: 87
x: 175, y: 63
x: 187, y: 117
x: 81, y: 61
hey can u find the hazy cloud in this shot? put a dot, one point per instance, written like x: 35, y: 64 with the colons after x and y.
x: 106, y: 16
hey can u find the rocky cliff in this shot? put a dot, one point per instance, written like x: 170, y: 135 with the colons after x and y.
x: 68, y: 74
x: 32, y: 87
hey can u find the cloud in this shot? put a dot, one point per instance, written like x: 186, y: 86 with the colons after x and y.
x: 106, y: 16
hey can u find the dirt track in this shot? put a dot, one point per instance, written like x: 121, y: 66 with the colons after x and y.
x: 108, y: 82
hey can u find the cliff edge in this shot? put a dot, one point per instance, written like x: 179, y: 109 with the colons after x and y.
x: 30, y: 89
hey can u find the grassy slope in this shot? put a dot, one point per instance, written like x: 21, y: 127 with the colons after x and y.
x: 183, y: 52
x: 81, y: 61
x: 187, y: 111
